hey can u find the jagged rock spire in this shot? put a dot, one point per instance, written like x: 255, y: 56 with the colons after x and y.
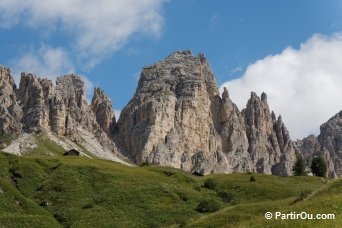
x: 266, y: 134
x: 102, y: 107
x: 10, y: 112
x: 225, y: 94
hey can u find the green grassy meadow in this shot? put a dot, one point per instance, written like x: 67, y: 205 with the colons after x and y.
x: 82, y: 192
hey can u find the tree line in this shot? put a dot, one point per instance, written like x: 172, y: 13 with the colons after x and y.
x: 318, y: 167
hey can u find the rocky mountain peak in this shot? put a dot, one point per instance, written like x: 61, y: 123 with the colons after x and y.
x: 60, y: 112
x: 71, y: 88
x: 173, y: 114
x: 10, y: 112
x: 330, y: 139
x: 101, y: 105
x: 177, y: 54
x: 177, y: 118
x: 266, y: 134
x: 253, y: 96
x: 263, y: 97
x: 27, y: 81
x: 45, y: 107
x: 6, y: 76
x: 225, y: 94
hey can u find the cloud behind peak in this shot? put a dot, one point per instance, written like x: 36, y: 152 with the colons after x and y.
x: 303, y: 85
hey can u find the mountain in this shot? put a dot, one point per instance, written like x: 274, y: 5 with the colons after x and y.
x: 60, y: 112
x: 327, y: 145
x: 177, y: 118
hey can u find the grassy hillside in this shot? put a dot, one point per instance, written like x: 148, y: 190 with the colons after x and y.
x: 81, y: 192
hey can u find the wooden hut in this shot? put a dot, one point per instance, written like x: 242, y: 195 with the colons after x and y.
x: 72, y: 152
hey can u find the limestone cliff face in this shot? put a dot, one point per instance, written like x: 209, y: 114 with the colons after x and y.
x: 311, y: 147
x: 171, y: 118
x: 40, y: 107
x: 10, y: 112
x: 270, y: 147
x: 177, y: 118
x: 78, y: 114
x: 327, y: 145
x: 331, y: 139
x: 32, y: 101
x: 233, y: 136
x: 60, y: 109
x: 101, y: 105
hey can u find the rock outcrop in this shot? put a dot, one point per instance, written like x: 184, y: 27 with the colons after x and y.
x: 10, y: 112
x: 270, y: 147
x: 101, y: 105
x: 310, y: 147
x: 171, y: 120
x: 40, y: 107
x: 32, y: 101
x: 331, y: 139
x: 177, y: 118
x: 78, y: 114
x: 60, y: 109
x: 233, y: 136
x: 327, y: 145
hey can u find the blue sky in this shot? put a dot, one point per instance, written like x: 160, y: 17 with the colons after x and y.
x: 110, y: 42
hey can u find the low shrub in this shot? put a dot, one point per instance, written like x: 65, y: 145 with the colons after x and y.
x: 144, y: 164
x: 208, y: 205
x: 210, y: 184
x: 225, y: 196
x: 168, y: 173
x: 252, y: 179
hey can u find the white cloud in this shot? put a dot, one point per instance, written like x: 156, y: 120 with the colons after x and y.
x: 45, y: 62
x: 95, y: 28
x: 304, y: 86
x: 48, y: 62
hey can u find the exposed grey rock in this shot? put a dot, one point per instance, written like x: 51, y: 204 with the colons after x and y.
x: 101, y: 105
x: 331, y: 139
x: 58, y: 115
x: 60, y: 109
x: 23, y: 143
x: 72, y: 90
x: 176, y: 118
x: 327, y: 145
x: 270, y: 147
x: 310, y: 147
x: 40, y: 107
x: 31, y: 99
x: 10, y: 112
x: 171, y: 118
x: 233, y: 136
